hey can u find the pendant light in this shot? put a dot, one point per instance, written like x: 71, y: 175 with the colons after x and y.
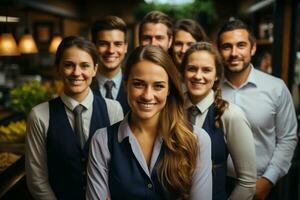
x: 57, y: 38
x: 27, y: 44
x: 54, y: 43
x: 8, y: 45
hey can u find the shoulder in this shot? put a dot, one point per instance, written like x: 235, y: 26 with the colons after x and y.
x: 112, y: 104
x: 100, y: 137
x: 114, y: 109
x: 202, y: 135
x: 233, y: 112
x: 40, y: 112
x: 268, y: 80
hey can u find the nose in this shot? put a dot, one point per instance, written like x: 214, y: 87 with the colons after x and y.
x: 198, y: 75
x: 234, y: 51
x: 184, y: 47
x: 147, y: 94
x: 77, y: 70
x: 153, y: 41
x: 111, y: 48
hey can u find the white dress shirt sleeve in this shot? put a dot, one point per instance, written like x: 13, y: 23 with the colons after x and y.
x: 240, y: 144
x: 202, y: 180
x: 286, y: 137
x: 97, y: 169
x: 115, y: 111
x: 36, y: 156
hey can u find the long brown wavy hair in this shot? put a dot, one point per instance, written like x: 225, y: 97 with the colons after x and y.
x: 220, y: 104
x: 177, y: 167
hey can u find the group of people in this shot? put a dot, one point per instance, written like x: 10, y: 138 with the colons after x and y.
x: 183, y: 118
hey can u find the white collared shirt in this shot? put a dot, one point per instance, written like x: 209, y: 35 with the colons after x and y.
x: 268, y: 106
x: 99, y: 158
x: 36, y: 136
x: 239, y: 141
x: 115, y: 89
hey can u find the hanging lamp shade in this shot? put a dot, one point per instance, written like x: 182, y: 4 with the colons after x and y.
x: 54, y: 43
x: 27, y: 44
x: 8, y: 45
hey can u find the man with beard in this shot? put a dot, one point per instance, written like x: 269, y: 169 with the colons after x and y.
x: 109, y: 36
x: 266, y: 102
x: 156, y: 29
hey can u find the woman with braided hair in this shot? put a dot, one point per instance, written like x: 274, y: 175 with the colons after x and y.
x: 225, y: 123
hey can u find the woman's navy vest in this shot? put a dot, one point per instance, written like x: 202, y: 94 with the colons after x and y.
x: 219, y: 154
x: 66, y: 161
x: 127, y: 179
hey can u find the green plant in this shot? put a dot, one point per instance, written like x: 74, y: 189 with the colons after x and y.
x: 186, y: 10
x: 26, y: 96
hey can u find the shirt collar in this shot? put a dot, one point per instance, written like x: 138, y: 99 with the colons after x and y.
x: 251, y: 80
x: 117, y: 79
x: 71, y: 103
x: 204, y: 104
x: 125, y: 131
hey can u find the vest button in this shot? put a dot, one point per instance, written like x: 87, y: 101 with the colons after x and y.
x: 83, y: 173
x: 149, y: 185
x: 82, y: 159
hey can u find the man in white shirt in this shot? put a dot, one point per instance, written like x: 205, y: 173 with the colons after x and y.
x: 266, y: 102
x: 109, y: 36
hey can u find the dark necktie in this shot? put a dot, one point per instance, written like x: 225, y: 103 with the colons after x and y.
x: 193, y: 111
x: 78, y: 126
x: 108, y: 86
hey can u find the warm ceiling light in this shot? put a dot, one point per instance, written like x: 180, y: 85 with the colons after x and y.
x: 54, y: 43
x: 27, y: 44
x: 8, y: 45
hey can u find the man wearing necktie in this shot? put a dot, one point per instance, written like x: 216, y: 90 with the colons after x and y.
x: 109, y: 36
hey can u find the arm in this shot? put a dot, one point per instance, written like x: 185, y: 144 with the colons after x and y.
x: 240, y: 144
x: 36, y: 158
x: 97, y: 169
x: 115, y: 111
x: 202, y: 180
x: 286, y: 137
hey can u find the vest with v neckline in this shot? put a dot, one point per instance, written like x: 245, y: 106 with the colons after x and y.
x: 65, y: 160
x: 219, y: 154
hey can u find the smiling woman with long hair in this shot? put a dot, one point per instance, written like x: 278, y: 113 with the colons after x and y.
x: 153, y: 153
x: 225, y: 123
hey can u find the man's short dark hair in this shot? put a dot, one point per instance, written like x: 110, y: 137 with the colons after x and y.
x: 234, y: 24
x: 157, y: 17
x: 108, y: 23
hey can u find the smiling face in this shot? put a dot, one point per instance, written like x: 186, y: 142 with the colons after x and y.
x: 76, y: 68
x: 182, y: 41
x: 147, y: 88
x: 199, y: 75
x: 236, y: 50
x: 155, y: 34
x: 112, y: 47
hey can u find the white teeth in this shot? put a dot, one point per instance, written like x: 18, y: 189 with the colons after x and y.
x: 74, y: 81
x: 110, y: 58
x: 147, y: 105
x: 197, y: 83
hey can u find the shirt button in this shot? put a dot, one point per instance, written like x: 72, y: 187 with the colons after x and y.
x: 149, y: 185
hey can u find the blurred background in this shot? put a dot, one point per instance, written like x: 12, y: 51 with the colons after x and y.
x: 30, y: 31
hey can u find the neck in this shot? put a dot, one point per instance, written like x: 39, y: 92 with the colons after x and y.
x: 144, y: 127
x: 238, y: 78
x: 109, y: 73
x: 78, y: 97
